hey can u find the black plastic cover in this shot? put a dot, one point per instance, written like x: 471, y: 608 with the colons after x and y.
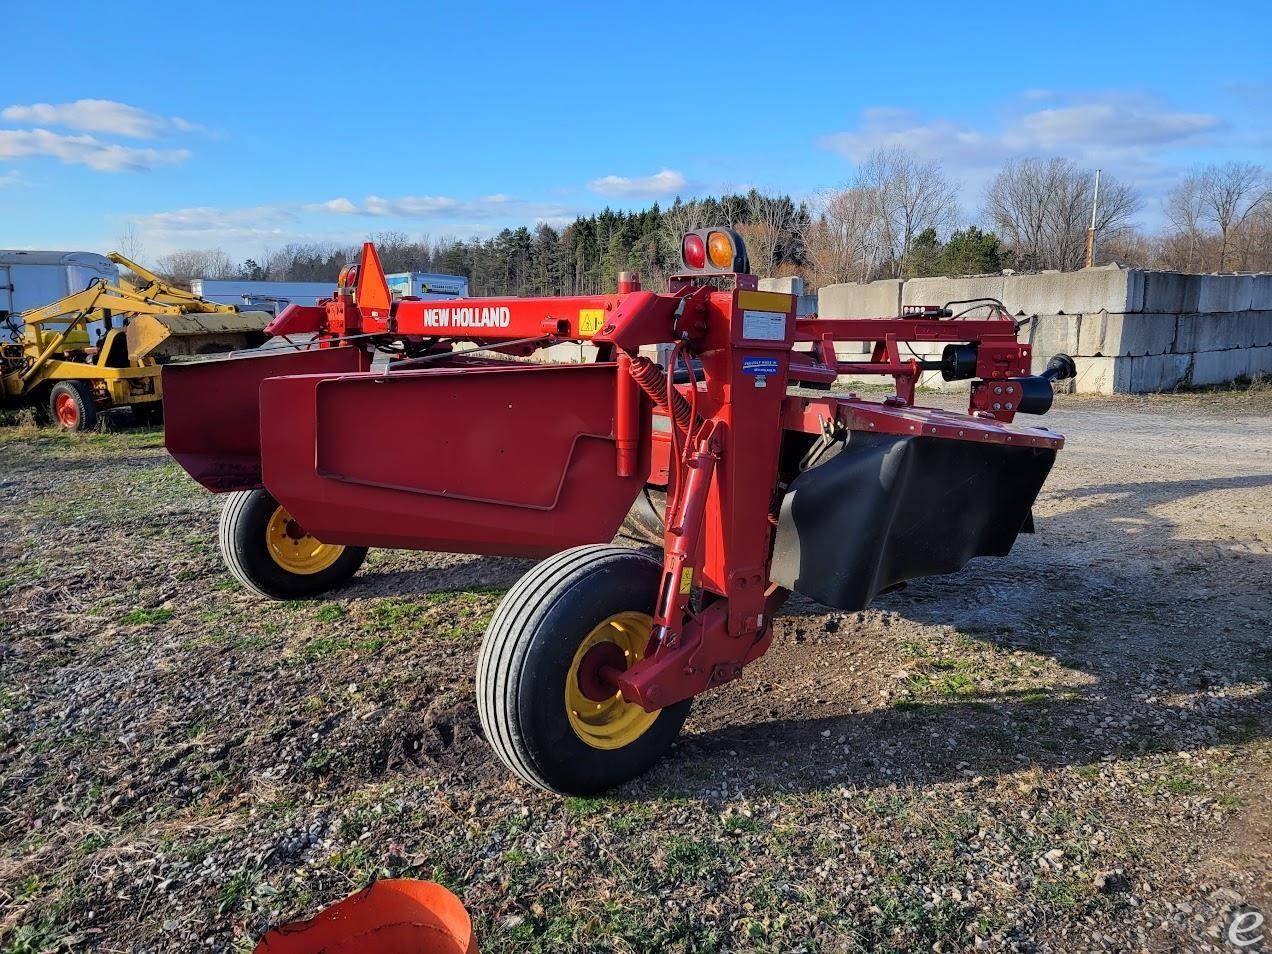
x: 879, y: 509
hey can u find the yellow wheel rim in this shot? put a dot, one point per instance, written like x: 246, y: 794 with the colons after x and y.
x: 294, y: 550
x: 614, y: 722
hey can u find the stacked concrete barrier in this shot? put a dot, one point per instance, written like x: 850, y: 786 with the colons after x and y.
x: 1129, y: 331
x: 805, y: 305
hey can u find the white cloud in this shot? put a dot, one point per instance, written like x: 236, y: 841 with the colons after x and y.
x: 93, y: 115
x: 662, y: 184
x: 953, y: 143
x: 409, y: 206
x: 245, y: 230
x: 91, y: 120
x: 1102, y: 124
x: 10, y: 178
x: 207, y: 226
x: 260, y: 219
x: 338, y: 206
x: 1136, y: 138
x: 185, y: 126
x: 448, y: 208
x: 85, y: 150
x: 1114, y: 126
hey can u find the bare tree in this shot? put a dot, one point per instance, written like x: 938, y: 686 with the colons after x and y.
x: 1119, y: 203
x: 677, y: 219
x: 1185, y: 211
x: 182, y: 267
x: 307, y: 262
x: 769, y: 223
x: 1041, y: 210
x: 1229, y: 194
x: 870, y: 224
x: 1132, y: 248
x: 908, y: 196
x: 838, y: 236
x: 1255, y: 239
x: 1016, y: 205
x: 128, y: 243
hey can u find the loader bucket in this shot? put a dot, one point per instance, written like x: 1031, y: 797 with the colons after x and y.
x: 212, y: 410
x: 395, y: 916
x: 193, y: 333
x: 515, y: 460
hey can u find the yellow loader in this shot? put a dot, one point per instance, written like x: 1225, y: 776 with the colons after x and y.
x: 56, y: 366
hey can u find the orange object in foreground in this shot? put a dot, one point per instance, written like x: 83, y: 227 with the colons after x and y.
x: 396, y: 916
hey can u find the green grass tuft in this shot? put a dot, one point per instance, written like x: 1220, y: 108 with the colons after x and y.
x: 143, y: 617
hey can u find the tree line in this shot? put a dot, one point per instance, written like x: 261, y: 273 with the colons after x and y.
x: 898, y: 216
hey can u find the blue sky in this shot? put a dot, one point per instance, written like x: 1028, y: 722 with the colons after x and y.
x: 245, y: 126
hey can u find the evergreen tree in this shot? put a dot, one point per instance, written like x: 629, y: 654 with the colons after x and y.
x: 971, y: 252
x: 926, y: 256
x: 584, y: 258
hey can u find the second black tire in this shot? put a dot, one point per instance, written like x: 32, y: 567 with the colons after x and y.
x: 269, y: 555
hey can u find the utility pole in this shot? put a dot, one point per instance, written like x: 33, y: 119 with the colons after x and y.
x: 1095, y: 205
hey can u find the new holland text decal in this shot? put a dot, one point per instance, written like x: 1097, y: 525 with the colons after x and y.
x: 466, y: 317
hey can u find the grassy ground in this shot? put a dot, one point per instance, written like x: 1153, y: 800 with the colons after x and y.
x: 1066, y: 749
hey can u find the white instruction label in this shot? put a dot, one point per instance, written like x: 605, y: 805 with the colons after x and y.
x: 763, y: 326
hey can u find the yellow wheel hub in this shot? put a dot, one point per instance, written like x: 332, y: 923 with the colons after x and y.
x: 294, y: 550
x: 612, y: 722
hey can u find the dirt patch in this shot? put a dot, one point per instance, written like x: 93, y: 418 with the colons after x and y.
x: 1066, y: 749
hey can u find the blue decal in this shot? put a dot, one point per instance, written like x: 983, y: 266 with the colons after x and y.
x: 759, y: 365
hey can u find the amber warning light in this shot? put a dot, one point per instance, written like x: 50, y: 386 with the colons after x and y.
x: 716, y: 251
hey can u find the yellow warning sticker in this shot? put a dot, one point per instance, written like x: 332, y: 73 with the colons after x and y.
x: 766, y: 301
x: 686, y: 580
x: 590, y: 321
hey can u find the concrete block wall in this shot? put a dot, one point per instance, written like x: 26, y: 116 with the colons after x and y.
x: 882, y: 297
x: 805, y: 304
x: 1129, y: 331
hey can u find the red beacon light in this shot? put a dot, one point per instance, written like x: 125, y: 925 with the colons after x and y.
x: 693, y: 251
x: 714, y: 251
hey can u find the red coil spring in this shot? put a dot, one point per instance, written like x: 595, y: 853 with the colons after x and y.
x: 653, y: 381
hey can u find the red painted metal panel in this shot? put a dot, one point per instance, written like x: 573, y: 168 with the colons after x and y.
x: 297, y: 320
x: 212, y: 414
x: 504, y: 319
x: 513, y: 460
x: 810, y: 414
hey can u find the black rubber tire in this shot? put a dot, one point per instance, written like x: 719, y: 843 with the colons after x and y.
x: 526, y: 655
x: 644, y: 522
x: 81, y: 393
x: 243, y: 546
x: 149, y: 414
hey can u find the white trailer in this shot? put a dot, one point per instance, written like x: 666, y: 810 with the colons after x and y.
x: 35, y: 279
x: 428, y: 286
